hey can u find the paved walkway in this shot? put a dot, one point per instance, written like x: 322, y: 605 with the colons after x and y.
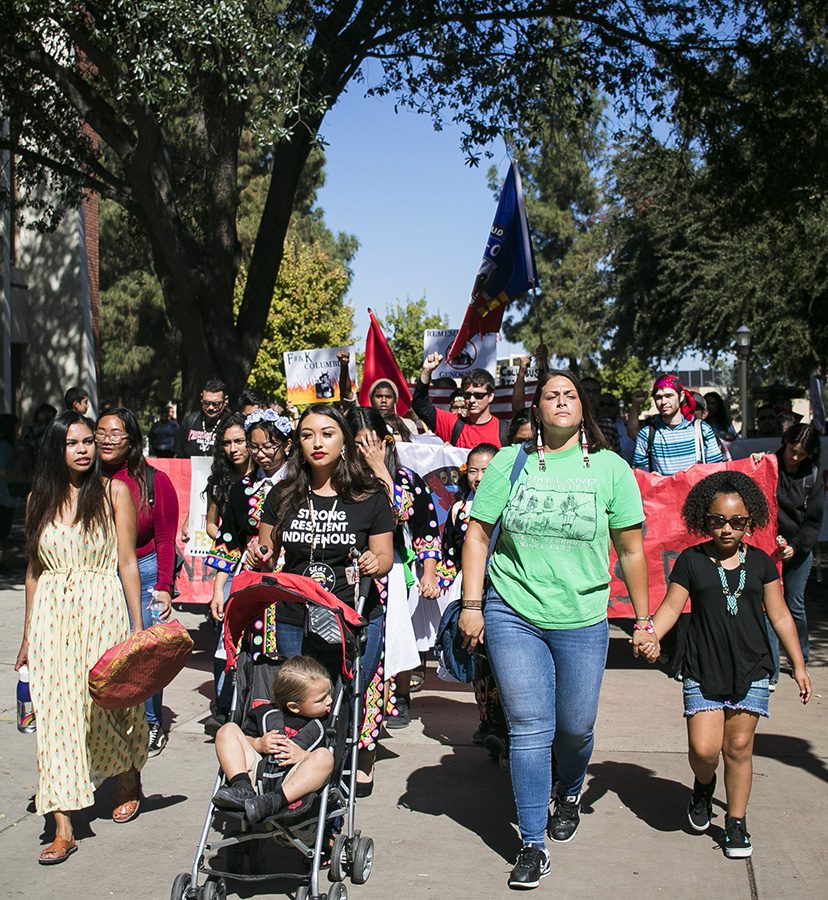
x: 442, y: 816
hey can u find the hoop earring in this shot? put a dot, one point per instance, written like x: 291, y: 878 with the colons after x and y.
x: 584, y: 446
x: 541, y: 458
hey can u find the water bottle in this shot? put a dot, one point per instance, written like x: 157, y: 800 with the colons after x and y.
x: 156, y: 607
x: 25, y: 713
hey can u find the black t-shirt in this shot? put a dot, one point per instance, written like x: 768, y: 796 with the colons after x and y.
x: 264, y: 716
x: 337, y: 528
x: 197, y: 436
x: 725, y: 653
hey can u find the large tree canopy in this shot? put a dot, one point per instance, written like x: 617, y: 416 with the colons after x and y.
x: 168, y: 87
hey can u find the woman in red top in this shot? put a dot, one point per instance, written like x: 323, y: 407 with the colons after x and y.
x: 120, y: 448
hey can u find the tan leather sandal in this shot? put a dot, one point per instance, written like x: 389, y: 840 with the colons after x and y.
x: 57, y: 852
x: 127, y: 801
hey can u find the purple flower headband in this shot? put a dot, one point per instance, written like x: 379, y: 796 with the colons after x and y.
x: 281, y: 423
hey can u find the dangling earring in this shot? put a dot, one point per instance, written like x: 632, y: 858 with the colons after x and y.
x: 342, y: 453
x: 541, y: 458
x: 584, y: 446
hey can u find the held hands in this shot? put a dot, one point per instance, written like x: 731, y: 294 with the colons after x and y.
x: 428, y: 587
x: 646, y: 644
x: 431, y: 362
x: 470, y: 626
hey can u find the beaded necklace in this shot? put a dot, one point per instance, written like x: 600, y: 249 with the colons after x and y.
x: 314, y: 536
x: 733, y: 599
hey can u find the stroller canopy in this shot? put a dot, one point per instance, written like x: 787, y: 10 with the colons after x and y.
x: 255, y: 591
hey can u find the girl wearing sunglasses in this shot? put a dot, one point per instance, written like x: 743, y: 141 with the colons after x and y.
x: 727, y: 663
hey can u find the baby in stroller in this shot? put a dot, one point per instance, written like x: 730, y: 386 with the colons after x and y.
x: 281, y: 745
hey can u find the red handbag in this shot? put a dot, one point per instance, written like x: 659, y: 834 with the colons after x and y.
x: 145, y: 663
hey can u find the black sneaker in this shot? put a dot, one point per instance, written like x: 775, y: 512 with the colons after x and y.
x: 157, y: 739
x: 480, y: 735
x: 737, y: 840
x: 233, y: 796
x: 495, y: 745
x: 700, y: 808
x: 263, y: 806
x: 565, y: 818
x: 532, y: 864
x: 403, y: 717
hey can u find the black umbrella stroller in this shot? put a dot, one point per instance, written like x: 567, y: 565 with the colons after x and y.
x: 326, y: 830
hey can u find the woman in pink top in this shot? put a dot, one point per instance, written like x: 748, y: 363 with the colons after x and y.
x: 120, y: 448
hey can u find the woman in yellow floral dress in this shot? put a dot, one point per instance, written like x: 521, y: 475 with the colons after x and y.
x: 80, y: 535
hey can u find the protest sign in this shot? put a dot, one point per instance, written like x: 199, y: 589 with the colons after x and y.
x: 480, y: 352
x: 313, y: 375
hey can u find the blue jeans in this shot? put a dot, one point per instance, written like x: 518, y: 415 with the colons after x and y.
x: 794, y: 581
x: 148, y: 570
x: 549, y: 682
x: 290, y: 638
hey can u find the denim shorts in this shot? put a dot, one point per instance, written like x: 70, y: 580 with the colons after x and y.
x: 754, y: 701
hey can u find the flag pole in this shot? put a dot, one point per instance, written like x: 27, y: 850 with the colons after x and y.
x: 526, y: 243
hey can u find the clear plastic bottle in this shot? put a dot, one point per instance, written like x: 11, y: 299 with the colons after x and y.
x: 25, y: 713
x: 156, y: 607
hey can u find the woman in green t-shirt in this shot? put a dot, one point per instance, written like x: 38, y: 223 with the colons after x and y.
x: 544, y: 613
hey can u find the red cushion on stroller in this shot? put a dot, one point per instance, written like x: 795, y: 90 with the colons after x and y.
x: 145, y: 663
x: 254, y: 591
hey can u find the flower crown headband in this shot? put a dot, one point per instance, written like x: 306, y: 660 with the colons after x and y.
x: 281, y: 423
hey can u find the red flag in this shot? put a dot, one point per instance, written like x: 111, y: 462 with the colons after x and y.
x: 380, y: 365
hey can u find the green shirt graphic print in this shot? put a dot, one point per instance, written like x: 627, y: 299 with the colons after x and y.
x: 551, y: 563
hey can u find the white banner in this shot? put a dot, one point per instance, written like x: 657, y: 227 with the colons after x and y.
x: 743, y: 448
x: 313, y: 375
x: 479, y: 353
x: 200, y: 542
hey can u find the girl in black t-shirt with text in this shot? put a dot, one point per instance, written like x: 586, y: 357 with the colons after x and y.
x: 327, y: 513
x: 727, y: 662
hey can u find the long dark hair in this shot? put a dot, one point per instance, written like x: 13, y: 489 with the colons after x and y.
x: 595, y: 437
x: 222, y: 477
x: 806, y: 435
x: 359, y: 417
x: 720, y: 418
x: 136, y: 464
x: 50, y: 488
x: 350, y: 480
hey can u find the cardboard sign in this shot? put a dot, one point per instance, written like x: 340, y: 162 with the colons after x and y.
x: 479, y: 353
x: 313, y: 375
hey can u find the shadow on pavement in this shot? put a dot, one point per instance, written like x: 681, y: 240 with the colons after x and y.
x: 793, y: 751
x: 659, y: 802
x: 468, y: 788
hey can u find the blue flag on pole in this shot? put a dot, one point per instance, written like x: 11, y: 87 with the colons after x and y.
x: 508, y: 266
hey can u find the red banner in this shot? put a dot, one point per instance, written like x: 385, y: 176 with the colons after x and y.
x: 664, y: 533
x: 196, y: 580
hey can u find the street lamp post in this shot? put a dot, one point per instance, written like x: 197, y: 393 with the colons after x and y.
x: 742, y: 336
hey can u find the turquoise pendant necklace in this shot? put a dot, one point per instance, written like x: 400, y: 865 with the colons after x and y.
x: 733, y: 599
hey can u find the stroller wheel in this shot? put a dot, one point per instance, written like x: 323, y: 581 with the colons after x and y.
x: 338, y: 892
x: 213, y: 890
x: 181, y: 886
x: 363, y: 860
x: 340, y: 863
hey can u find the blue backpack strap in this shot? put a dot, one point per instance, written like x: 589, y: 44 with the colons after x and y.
x: 517, y: 468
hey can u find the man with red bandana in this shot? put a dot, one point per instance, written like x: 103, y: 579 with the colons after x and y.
x: 675, y: 440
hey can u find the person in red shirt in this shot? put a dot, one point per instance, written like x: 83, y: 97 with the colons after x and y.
x: 478, y: 426
x: 120, y: 448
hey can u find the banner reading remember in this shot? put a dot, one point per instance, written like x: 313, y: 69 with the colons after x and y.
x: 479, y: 353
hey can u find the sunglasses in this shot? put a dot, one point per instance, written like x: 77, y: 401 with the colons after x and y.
x: 475, y: 395
x: 737, y: 523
